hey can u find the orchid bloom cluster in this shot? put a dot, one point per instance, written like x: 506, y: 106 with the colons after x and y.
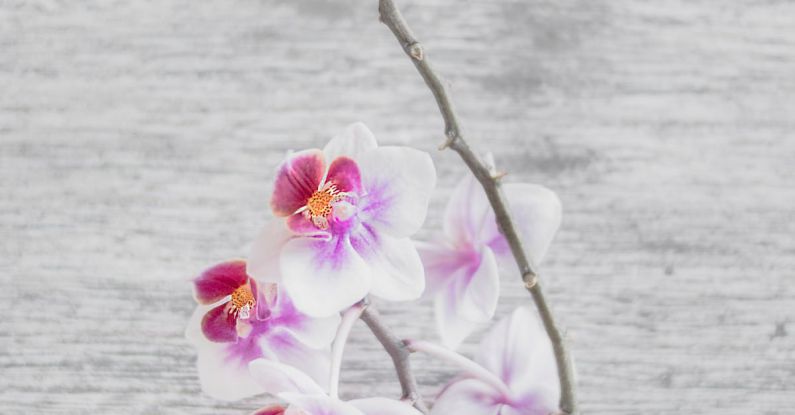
x: 343, y: 218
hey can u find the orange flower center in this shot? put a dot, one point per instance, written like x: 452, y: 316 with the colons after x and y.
x: 242, y: 301
x: 319, y: 204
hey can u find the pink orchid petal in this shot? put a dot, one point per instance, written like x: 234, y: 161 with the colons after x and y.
x: 218, y: 325
x: 263, y: 261
x: 398, y: 182
x: 301, y: 225
x: 383, y: 406
x: 219, y: 377
x: 301, y: 404
x: 270, y: 410
x: 323, y: 277
x: 468, y: 300
x: 283, y: 347
x: 275, y: 378
x: 397, y: 272
x: 344, y: 173
x: 219, y: 281
x: 354, y: 141
x: 467, y: 397
x: 518, y: 350
x: 297, y: 179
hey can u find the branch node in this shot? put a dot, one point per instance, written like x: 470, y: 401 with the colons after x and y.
x: 416, y: 52
x: 530, y: 280
x: 498, y: 175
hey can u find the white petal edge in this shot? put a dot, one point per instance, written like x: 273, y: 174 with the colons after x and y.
x: 383, y: 406
x: 323, y: 277
x: 398, y: 182
x: 276, y: 378
x: 352, y: 142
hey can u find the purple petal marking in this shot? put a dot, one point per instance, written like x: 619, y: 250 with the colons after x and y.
x: 219, y: 281
x: 344, y: 173
x: 297, y: 179
x: 246, y: 349
x: 219, y: 326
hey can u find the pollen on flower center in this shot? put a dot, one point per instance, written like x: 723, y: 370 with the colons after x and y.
x: 242, y: 302
x: 321, y: 204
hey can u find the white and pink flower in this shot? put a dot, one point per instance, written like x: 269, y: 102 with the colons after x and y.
x: 304, y: 396
x: 462, y: 266
x: 346, y: 214
x: 238, y: 321
x: 518, y: 352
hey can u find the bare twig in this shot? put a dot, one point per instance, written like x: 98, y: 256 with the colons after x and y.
x: 391, y: 16
x: 400, y: 355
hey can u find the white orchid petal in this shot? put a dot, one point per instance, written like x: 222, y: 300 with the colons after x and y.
x: 443, y: 263
x: 466, y: 212
x: 323, y: 277
x: 314, y: 332
x: 219, y: 378
x: 263, y: 262
x: 397, y: 272
x: 468, y: 300
x: 276, y: 378
x: 355, y: 140
x: 467, y: 397
x: 537, y: 213
x: 518, y: 350
x: 282, y: 347
x: 480, y: 291
x: 398, y: 182
x: 383, y: 406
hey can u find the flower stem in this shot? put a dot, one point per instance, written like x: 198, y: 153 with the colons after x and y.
x: 470, y: 367
x: 400, y: 355
x: 391, y: 16
x: 348, y: 319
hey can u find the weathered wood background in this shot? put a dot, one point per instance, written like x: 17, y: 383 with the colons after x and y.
x: 138, y: 139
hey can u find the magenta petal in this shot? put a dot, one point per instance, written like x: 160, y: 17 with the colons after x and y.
x: 270, y: 410
x: 299, y: 224
x: 344, y: 173
x: 297, y: 179
x: 219, y: 281
x: 218, y: 325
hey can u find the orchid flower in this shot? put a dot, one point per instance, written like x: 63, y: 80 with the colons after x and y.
x: 518, y: 352
x: 305, y: 397
x: 238, y: 321
x: 346, y: 213
x: 462, y: 266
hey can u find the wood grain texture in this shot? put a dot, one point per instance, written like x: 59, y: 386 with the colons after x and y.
x: 138, y: 141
